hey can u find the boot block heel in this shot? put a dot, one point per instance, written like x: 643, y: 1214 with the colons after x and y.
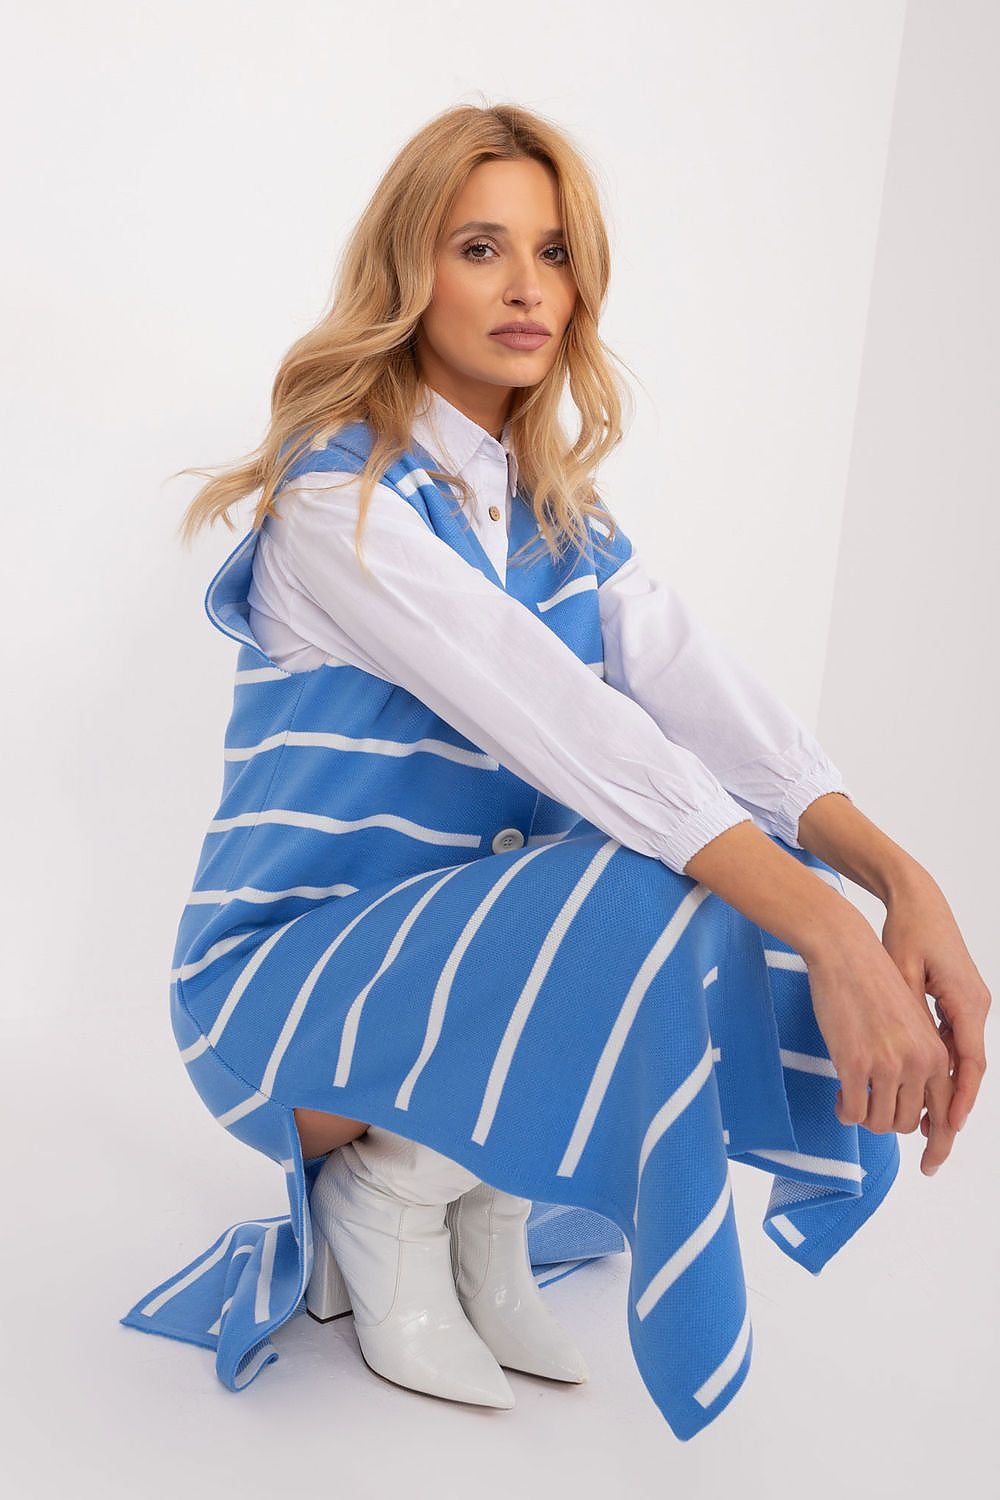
x: 327, y: 1296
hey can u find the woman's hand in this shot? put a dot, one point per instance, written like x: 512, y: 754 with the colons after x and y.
x: 875, y: 1033
x: 921, y: 936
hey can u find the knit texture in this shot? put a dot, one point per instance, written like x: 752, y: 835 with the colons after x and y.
x: 571, y: 1020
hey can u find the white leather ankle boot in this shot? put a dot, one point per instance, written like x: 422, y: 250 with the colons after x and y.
x: 381, y: 1243
x: 497, y: 1288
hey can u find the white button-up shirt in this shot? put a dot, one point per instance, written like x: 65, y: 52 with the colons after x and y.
x: 677, y: 743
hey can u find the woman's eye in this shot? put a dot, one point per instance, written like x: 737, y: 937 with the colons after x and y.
x: 485, y: 245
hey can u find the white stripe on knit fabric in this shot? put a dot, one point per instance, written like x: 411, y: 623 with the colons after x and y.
x: 822, y: 1165
x: 205, y: 1263
x: 412, y: 482
x: 217, y: 1325
x: 254, y: 893
x: 686, y: 1253
x: 778, y: 959
x: 673, y: 1105
x: 618, y: 1035
x: 296, y: 819
x: 575, y: 586
x: 298, y: 1005
x: 217, y: 950
x: 807, y: 1062
x: 785, y: 1227
x: 348, y: 1035
x: 262, y: 1299
x: 238, y: 1111
x: 363, y: 744
x: 442, y: 989
x: 247, y: 972
x: 536, y: 978
x: 720, y: 1377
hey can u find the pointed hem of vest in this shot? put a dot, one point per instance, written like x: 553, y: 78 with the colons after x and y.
x: 252, y: 1279
x: 254, y: 1275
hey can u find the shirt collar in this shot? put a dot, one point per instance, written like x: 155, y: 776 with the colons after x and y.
x: 455, y: 438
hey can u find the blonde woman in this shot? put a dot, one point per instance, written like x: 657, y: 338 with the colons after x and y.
x: 522, y: 891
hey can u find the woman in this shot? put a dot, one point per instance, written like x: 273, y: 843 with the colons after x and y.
x: 510, y: 899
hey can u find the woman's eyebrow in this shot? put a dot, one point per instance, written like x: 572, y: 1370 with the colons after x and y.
x: 487, y: 226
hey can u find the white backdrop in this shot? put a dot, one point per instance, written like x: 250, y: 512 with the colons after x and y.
x: 802, y: 201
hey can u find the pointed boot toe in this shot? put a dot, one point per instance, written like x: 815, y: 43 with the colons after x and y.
x: 497, y: 1288
x: 389, y: 1257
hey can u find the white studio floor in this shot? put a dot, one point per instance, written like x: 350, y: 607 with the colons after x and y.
x: 115, y: 1185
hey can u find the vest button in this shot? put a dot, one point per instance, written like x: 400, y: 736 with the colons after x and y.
x: 494, y: 512
x: 507, y: 838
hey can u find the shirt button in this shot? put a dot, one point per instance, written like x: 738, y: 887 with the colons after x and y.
x: 507, y: 838
x: 494, y: 512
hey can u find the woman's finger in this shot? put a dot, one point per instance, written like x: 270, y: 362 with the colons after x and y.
x: 940, y: 1136
x: 967, y: 1049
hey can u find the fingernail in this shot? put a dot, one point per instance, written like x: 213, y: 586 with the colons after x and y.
x: 961, y: 1122
x: 930, y: 1171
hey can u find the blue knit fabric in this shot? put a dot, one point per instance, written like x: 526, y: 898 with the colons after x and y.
x: 571, y: 1020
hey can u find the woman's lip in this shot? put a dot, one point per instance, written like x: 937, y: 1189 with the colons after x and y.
x: 515, y: 340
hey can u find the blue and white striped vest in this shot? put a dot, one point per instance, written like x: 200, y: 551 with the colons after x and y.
x: 378, y: 786
x: 387, y: 923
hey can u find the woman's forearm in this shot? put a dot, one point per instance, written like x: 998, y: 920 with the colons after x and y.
x: 770, y: 886
x: 840, y: 834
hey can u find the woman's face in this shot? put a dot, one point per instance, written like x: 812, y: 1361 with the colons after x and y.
x: 515, y: 271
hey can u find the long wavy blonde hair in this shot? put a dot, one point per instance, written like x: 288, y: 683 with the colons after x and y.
x: 358, y: 362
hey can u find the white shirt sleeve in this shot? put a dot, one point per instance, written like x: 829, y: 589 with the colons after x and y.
x: 705, y: 697
x: 432, y: 623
